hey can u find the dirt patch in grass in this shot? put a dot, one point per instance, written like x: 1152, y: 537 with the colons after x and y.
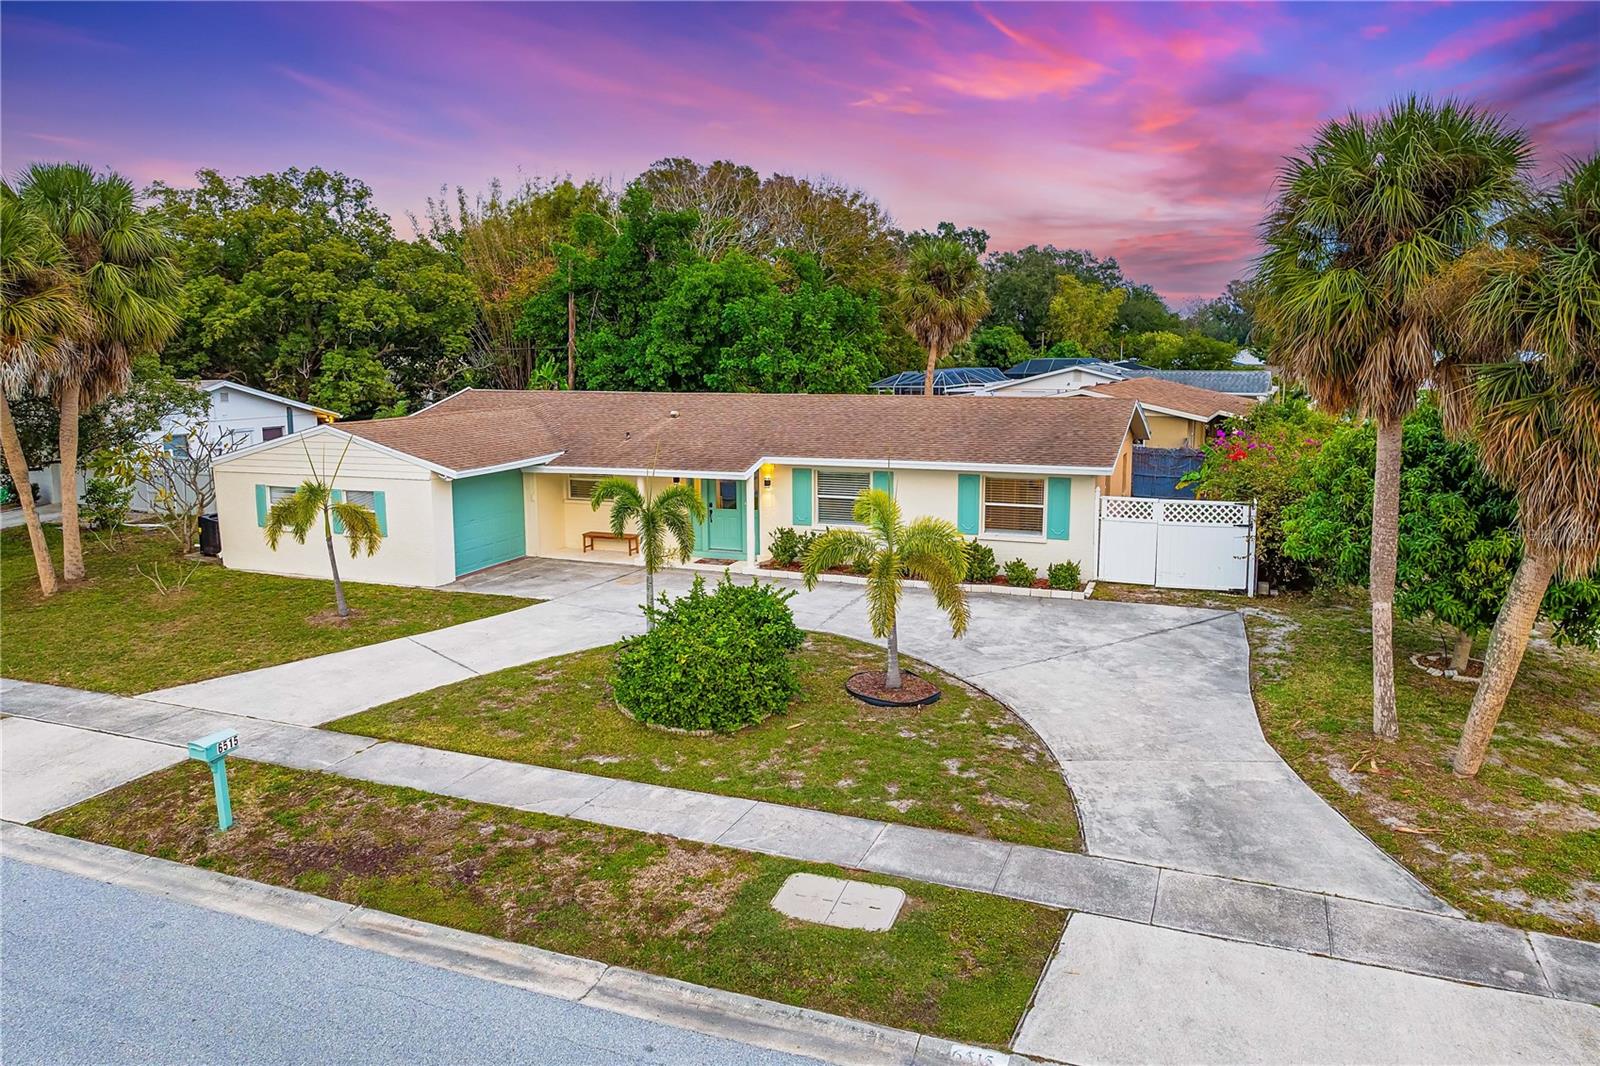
x: 114, y: 632
x: 958, y: 964
x: 828, y: 751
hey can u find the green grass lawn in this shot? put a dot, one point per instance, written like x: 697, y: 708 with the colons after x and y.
x: 116, y: 633
x: 957, y: 964
x: 964, y: 764
x: 1520, y: 843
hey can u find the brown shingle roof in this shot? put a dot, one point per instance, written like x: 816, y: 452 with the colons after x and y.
x: 730, y: 432
x: 1174, y: 396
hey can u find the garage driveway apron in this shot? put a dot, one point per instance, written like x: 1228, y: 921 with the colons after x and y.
x: 1147, y: 708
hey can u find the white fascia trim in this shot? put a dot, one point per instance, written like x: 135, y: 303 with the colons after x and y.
x: 274, y: 397
x: 515, y: 464
x: 640, y: 471
x: 922, y: 464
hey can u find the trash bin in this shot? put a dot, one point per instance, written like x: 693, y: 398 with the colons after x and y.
x: 210, y: 535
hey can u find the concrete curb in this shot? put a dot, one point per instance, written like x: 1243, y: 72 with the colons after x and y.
x: 911, y: 583
x: 759, y: 1022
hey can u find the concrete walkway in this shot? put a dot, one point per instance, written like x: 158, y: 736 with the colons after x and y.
x: 1413, y: 941
x: 1146, y: 707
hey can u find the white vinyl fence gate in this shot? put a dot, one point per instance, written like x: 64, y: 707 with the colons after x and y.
x: 1178, y: 544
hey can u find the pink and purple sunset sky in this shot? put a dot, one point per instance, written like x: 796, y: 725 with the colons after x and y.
x: 1146, y: 131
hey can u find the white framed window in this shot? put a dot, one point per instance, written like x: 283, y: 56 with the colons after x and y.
x: 276, y: 493
x: 836, y: 495
x: 362, y: 496
x: 580, y: 489
x: 1013, y: 505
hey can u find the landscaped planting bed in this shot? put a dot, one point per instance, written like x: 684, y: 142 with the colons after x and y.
x: 956, y: 964
x: 116, y: 632
x: 964, y: 764
x: 1520, y: 843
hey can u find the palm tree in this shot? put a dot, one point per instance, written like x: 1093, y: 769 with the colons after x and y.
x: 942, y: 298
x: 128, y: 297
x: 1528, y: 307
x: 1367, y: 216
x: 670, y: 513
x: 314, y: 502
x: 928, y: 549
x: 38, y: 317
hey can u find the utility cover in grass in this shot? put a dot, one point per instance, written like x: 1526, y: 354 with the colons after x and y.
x: 834, y: 901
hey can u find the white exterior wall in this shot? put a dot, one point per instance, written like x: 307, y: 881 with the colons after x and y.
x: 418, y: 550
x: 935, y: 493
x: 1052, y: 384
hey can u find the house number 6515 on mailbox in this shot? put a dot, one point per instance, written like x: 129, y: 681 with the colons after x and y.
x: 212, y: 750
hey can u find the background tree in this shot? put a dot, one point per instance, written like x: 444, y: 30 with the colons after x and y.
x: 39, y: 314
x: 1170, y: 351
x: 669, y: 514
x: 1529, y: 303
x: 926, y: 549
x: 942, y: 298
x: 998, y: 346
x: 313, y: 504
x: 1364, y: 219
x: 1229, y: 317
x: 1021, y: 284
x: 1083, y: 312
x: 128, y: 302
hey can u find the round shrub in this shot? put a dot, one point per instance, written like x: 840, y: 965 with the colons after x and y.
x: 981, y: 565
x: 1020, y: 574
x: 1064, y: 575
x: 712, y: 661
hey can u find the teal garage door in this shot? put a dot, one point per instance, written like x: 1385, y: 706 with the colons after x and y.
x: 488, y: 520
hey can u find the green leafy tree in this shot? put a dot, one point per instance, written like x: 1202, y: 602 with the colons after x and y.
x: 127, y: 303
x: 313, y: 504
x: 1000, y: 346
x: 1365, y: 218
x: 941, y: 298
x: 658, y: 518
x: 1083, y: 312
x: 1143, y: 311
x: 1193, y: 351
x: 927, y: 549
x: 1526, y: 310
x: 1022, y: 282
x: 1229, y: 317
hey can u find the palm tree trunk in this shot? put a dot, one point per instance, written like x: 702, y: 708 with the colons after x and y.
x: 71, y: 535
x: 17, y: 466
x: 892, y: 675
x: 1512, y: 628
x: 649, y: 598
x: 1461, y: 654
x: 1385, y: 546
x: 927, y: 379
x: 572, y: 339
x: 333, y: 563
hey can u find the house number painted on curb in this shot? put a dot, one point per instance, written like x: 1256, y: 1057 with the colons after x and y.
x: 212, y: 750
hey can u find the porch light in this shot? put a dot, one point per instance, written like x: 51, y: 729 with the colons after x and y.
x: 766, y: 475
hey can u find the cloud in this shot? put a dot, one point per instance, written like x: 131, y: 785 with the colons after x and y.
x: 1494, y: 32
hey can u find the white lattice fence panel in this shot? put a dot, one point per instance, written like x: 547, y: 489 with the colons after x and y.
x: 1206, y: 512
x: 1191, y: 544
x: 1130, y: 508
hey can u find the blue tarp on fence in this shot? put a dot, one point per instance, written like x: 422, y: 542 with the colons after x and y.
x: 1156, y: 471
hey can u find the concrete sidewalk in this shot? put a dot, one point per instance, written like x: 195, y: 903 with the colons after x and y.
x: 1410, y: 940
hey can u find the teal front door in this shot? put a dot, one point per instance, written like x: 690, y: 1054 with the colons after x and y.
x: 488, y: 517
x: 722, y: 535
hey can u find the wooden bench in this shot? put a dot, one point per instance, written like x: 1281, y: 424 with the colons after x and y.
x: 631, y: 539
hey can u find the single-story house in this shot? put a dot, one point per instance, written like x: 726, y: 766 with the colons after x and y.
x: 1179, y: 416
x: 1075, y: 374
x: 484, y: 477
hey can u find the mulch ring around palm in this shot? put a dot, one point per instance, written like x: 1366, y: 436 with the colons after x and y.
x: 871, y: 686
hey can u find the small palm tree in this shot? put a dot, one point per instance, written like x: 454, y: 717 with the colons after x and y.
x: 928, y: 549
x: 128, y: 298
x: 1528, y: 304
x: 313, y: 502
x: 1366, y: 217
x: 671, y: 513
x: 942, y: 298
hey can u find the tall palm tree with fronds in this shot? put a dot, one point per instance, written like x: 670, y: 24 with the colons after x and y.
x: 314, y: 504
x: 1525, y: 309
x: 927, y: 549
x: 942, y: 298
x: 657, y: 518
x: 1365, y: 218
x: 128, y: 299
x: 38, y: 318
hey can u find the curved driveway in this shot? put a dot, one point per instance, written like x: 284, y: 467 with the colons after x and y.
x: 1146, y: 707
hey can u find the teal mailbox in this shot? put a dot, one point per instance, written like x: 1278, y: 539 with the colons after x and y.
x: 212, y: 750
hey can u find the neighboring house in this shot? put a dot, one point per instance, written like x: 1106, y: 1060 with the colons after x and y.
x: 1086, y: 373
x: 1179, y: 416
x: 946, y: 380
x: 484, y: 477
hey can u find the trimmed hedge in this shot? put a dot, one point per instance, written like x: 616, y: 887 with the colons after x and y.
x: 1020, y: 574
x: 981, y: 565
x: 1064, y: 575
x: 712, y: 661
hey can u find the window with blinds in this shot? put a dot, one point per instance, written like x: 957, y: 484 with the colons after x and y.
x: 581, y: 488
x: 1013, y: 505
x: 836, y: 495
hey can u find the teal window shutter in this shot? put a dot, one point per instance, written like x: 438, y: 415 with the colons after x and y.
x: 967, y: 504
x: 382, y: 511
x: 802, y: 496
x: 338, y: 526
x: 261, y: 506
x: 1058, y: 509
x: 883, y: 480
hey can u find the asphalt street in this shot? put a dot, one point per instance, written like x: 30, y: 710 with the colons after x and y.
x: 90, y: 972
